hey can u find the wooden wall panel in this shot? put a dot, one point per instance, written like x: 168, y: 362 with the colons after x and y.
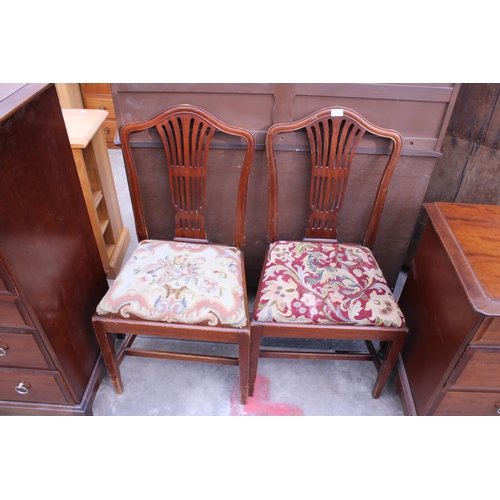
x: 420, y: 112
x: 481, y: 179
x: 448, y: 171
x: 469, y: 169
x: 492, y: 139
x: 473, y: 111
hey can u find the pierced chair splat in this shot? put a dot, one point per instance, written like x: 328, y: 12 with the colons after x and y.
x: 321, y: 287
x: 184, y: 288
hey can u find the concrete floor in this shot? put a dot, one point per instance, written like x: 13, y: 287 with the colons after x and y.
x: 284, y: 387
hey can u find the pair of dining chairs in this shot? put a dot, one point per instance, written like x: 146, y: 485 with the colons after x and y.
x: 191, y: 288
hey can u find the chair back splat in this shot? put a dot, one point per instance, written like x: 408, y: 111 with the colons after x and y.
x: 184, y: 287
x: 321, y: 288
x: 187, y: 141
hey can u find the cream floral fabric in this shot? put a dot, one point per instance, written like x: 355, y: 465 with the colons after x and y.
x: 325, y: 283
x: 179, y: 283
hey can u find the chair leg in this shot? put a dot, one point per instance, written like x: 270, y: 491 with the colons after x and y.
x: 390, y: 358
x: 256, y: 337
x: 244, y: 364
x: 106, y: 343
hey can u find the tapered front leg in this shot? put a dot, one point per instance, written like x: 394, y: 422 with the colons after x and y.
x: 106, y: 343
x: 388, y: 362
x: 255, y: 338
x: 244, y: 364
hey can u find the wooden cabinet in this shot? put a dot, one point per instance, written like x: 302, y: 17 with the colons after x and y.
x: 450, y: 363
x: 98, y: 96
x: 51, y: 276
x: 90, y: 152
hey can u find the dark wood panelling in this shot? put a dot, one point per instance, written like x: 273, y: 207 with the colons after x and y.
x: 481, y: 177
x: 473, y: 111
x: 469, y: 169
x: 492, y: 139
x: 444, y: 183
x: 448, y: 172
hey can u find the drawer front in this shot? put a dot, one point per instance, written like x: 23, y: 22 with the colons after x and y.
x: 95, y: 88
x: 489, y: 336
x: 101, y: 103
x: 479, y: 368
x: 32, y: 387
x: 21, y: 350
x: 3, y: 280
x: 110, y: 127
x: 6, y: 284
x: 12, y: 310
x: 12, y: 313
x: 469, y: 404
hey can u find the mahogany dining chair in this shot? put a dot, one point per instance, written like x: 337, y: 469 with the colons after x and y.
x: 186, y: 287
x: 322, y: 287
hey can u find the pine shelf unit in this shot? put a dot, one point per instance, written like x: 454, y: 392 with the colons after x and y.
x: 88, y: 143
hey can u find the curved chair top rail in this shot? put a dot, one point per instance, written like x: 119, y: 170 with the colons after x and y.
x: 186, y: 132
x: 334, y: 134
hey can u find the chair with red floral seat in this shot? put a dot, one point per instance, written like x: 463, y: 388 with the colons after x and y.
x: 321, y: 287
x: 186, y: 287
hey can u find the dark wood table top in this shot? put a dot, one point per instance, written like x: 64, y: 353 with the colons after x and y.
x: 471, y: 235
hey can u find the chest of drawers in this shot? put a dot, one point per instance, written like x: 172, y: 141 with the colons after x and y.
x: 98, y: 96
x: 51, y: 276
x: 451, y: 301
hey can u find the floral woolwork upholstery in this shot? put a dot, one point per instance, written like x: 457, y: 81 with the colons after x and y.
x: 324, y: 283
x: 179, y: 282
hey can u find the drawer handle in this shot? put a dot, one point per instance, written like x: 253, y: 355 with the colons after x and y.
x: 22, y: 389
x: 3, y: 351
x: 106, y: 130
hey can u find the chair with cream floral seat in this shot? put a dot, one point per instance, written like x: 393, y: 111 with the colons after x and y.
x: 323, y: 288
x: 183, y: 288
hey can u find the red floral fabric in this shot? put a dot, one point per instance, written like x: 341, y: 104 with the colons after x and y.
x: 325, y: 283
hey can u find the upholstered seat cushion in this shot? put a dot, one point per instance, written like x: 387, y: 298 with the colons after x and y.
x: 324, y: 283
x: 179, y: 282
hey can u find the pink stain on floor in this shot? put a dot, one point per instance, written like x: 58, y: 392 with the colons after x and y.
x: 259, y: 404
